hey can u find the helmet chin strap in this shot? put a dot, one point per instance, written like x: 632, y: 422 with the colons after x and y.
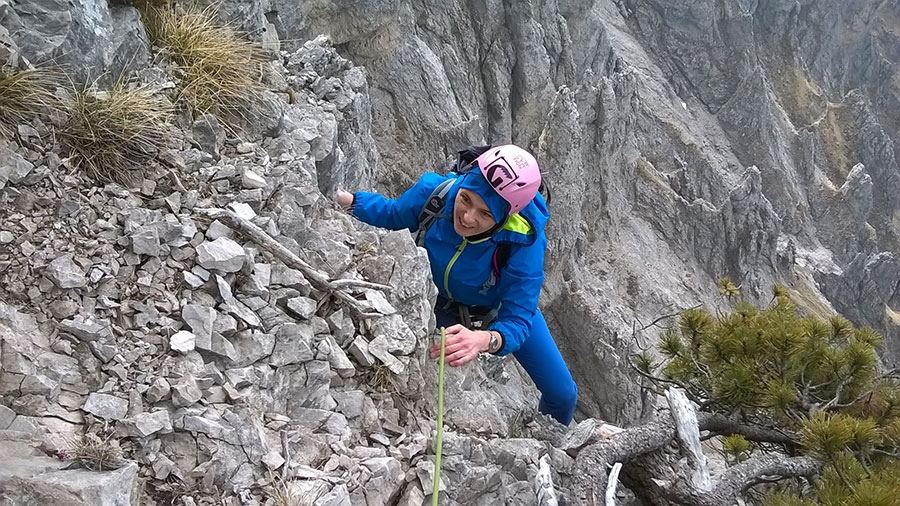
x: 489, y: 232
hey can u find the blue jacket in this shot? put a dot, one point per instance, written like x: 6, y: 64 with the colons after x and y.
x: 462, y: 269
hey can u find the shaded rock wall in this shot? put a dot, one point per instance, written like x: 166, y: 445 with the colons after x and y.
x: 92, y: 40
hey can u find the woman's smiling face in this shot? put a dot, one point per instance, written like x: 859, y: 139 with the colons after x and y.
x: 471, y: 215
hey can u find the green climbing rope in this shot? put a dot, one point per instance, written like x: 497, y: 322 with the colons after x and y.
x: 439, y: 439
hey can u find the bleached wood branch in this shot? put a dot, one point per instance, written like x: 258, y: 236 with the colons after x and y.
x: 358, y: 283
x: 688, y: 435
x: 593, y: 460
x: 613, y: 482
x: 316, y: 278
x: 733, y: 481
x: 286, y: 451
x: 543, y: 483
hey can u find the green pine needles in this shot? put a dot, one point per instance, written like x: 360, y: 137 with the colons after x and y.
x: 816, y: 381
x: 770, y: 360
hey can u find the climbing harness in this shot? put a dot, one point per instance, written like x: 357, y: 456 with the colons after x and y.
x: 439, y: 439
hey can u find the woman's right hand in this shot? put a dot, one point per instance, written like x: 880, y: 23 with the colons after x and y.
x: 344, y: 199
x: 462, y: 345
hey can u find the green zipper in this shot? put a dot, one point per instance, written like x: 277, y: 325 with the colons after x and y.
x: 459, y: 251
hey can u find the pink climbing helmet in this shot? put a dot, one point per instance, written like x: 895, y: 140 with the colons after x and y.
x: 513, y: 173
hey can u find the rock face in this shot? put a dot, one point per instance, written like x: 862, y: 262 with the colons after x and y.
x: 183, y: 341
x: 683, y: 141
x: 92, y: 39
x: 686, y: 141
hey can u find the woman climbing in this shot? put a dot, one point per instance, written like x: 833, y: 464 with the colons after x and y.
x: 486, y: 250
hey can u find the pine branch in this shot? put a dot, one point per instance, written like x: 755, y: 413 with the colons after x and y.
x: 723, y: 425
x: 834, y: 402
x: 655, y: 323
x: 691, y: 390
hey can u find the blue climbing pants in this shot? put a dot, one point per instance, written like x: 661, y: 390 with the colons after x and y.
x: 542, y: 360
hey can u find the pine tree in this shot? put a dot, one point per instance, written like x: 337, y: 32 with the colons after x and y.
x: 814, y: 381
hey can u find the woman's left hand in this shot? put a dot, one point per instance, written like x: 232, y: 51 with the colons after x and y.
x: 462, y: 345
x: 344, y: 199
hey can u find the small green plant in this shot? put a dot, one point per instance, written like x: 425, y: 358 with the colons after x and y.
x: 736, y: 448
x: 219, y: 71
x: 96, y: 453
x: 112, y: 134
x: 25, y: 94
x: 727, y: 288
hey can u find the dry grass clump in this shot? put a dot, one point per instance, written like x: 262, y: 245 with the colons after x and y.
x: 283, y: 491
x: 25, y: 94
x: 113, y: 134
x: 800, y: 96
x: 380, y: 378
x: 97, y: 454
x: 219, y: 71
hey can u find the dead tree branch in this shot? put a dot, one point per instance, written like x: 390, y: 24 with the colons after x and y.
x: 317, y: 279
x: 737, y: 478
x: 593, y: 461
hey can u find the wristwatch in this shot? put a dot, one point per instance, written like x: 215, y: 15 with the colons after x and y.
x: 496, y: 341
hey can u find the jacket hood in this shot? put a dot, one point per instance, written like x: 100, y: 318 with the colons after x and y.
x: 475, y: 182
x: 521, y: 228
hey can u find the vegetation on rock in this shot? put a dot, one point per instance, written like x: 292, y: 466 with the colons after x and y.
x: 113, y: 134
x: 218, y: 70
x: 25, y: 94
x: 811, y: 385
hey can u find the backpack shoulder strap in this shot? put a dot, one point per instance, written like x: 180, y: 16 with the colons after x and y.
x: 432, y: 209
x: 501, y: 256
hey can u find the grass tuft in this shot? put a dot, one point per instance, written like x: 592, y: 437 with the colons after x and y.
x: 25, y: 94
x: 219, y: 71
x: 112, y: 135
x: 380, y: 378
x: 97, y: 454
x: 283, y: 491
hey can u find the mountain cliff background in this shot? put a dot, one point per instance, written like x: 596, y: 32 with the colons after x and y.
x: 684, y: 142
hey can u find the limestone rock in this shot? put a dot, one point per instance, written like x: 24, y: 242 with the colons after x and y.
x: 250, y: 180
x: 293, y: 344
x: 65, y: 273
x: 91, y: 48
x: 145, y: 424
x: 200, y: 319
x: 182, y: 341
x: 81, y: 487
x: 222, y: 254
x: 86, y: 328
x: 158, y: 390
x: 106, y: 406
x: 185, y: 392
x: 209, y: 134
x: 304, y: 307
